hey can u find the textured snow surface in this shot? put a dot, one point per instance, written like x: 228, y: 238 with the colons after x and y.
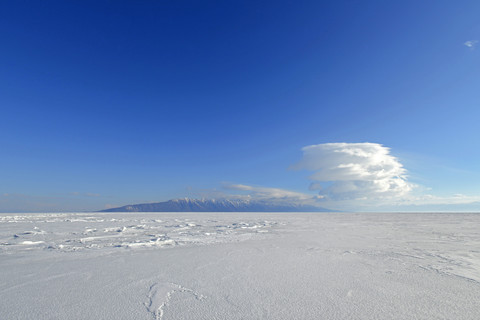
x: 240, y: 266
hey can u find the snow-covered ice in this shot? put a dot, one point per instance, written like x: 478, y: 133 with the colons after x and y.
x: 240, y: 266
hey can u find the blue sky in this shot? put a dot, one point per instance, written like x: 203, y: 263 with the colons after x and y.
x: 107, y: 103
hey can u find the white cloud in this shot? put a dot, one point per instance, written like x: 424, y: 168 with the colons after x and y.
x: 355, y: 171
x: 273, y: 194
x: 471, y: 43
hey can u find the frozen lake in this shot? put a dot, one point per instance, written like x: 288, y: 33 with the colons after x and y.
x: 240, y: 266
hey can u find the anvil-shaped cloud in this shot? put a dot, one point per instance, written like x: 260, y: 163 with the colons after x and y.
x: 354, y: 171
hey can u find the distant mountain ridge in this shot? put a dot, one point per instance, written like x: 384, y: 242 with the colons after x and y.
x: 213, y: 205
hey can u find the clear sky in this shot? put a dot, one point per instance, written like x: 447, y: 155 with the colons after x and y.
x: 368, y: 105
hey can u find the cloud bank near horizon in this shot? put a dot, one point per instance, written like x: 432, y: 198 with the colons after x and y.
x: 350, y: 177
x: 354, y: 171
x: 273, y: 194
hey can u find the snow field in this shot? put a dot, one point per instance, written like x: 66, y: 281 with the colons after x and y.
x: 240, y: 266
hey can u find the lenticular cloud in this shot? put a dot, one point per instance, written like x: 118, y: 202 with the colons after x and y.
x: 355, y: 170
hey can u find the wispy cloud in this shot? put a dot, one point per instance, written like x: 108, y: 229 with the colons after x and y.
x: 274, y: 194
x: 471, y: 43
x: 354, y: 171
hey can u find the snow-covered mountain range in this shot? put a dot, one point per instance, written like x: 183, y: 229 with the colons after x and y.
x: 216, y: 205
